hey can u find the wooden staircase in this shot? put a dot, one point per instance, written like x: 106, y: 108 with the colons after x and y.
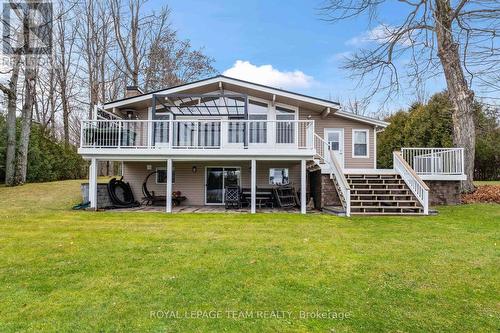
x: 382, y: 194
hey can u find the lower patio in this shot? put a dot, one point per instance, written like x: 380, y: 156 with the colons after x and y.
x: 210, y: 209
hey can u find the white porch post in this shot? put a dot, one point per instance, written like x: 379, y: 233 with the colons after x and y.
x: 93, y: 183
x: 169, y: 185
x: 253, y: 186
x: 303, y: 189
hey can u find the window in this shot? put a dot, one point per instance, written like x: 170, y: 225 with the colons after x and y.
x: 278, y: 176
x: 333, y: 139
x: 161, y: 175
x: 360, y: 143
x: 285, y: 129
x: 257, y: 129
x: 160, y: 128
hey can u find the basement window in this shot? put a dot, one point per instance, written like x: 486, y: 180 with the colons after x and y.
x: 161, y: 175
x: 278, y: 176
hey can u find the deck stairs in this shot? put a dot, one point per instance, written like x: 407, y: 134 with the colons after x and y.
x: 382, y: 194
x: 374, y: 191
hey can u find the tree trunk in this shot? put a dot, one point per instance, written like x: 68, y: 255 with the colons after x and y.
x: 462, y: 98
x: 10, y: 163
x: 27, y: 114
x: 66, y: 111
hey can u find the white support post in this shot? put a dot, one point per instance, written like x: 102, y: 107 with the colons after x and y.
x: 169, y: 185
x: 253, y: 186
x: 303, y: 187
x: 171, y: 132
x: 93, y: 183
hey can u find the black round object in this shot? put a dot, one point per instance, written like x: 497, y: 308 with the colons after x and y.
x: 120, y: 193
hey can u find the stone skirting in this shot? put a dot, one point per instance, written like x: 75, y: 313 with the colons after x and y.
x: 443, y: 192
x: 329, y: 195
x: 103, y: 199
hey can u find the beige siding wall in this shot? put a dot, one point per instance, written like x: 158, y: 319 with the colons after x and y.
x: 333, y: 121
x: 192, y: 185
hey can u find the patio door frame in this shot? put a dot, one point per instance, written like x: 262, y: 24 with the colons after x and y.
x: 223, y: 185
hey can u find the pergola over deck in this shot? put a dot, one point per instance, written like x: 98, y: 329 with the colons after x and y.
x: 219, y: 105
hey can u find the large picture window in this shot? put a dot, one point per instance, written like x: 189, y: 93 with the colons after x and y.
x: 285, y: 127
x: 257, y: 129
x: 278, y: 176
x: 360, y: 143
x: 161, y: 175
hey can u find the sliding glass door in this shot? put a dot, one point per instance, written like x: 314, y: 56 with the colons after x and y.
x: 217, y: 178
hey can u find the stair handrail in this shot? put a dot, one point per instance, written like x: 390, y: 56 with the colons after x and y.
x: 335, y: 172
x: 414, y: 182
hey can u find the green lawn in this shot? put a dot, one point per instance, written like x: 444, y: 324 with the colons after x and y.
x: 71, y: 271
x: 487, y: 182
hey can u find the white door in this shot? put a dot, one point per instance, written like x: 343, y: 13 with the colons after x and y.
x: 335, y: 142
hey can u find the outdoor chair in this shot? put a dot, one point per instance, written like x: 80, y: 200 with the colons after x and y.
x: 232, y: 197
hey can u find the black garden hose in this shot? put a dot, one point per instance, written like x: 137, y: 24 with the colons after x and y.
x: 128, y: 196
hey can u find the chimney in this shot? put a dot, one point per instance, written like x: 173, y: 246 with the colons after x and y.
x: 132, y: 91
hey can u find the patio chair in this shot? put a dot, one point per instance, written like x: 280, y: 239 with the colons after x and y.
x: 150, y: 199
x: 232, y: 197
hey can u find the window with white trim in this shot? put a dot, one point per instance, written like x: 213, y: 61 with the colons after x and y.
x: 161, y: 175
x: 257, y: 129
x: 360, y: 143
x: 278, y: 176
x: 285, y: 127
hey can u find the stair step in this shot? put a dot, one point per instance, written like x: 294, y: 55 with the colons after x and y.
x: 378, y: 186
x: 385, y: 201
x: 376, y: 181
x: 382, y: 197
x: 381, y: 191
x: 375, y: 176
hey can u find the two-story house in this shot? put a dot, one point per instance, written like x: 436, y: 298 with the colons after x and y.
x: 204, y: 136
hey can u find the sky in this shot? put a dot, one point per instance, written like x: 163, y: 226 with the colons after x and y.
x: 285, y: 44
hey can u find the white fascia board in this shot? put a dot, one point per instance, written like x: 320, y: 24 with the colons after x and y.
x: 189, y: 154
x: 224, y: 79
x: 165, y: 91
x: 362, y: 119
x: 279, y: 92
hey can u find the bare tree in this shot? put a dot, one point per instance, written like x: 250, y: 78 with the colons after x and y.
x: 171, y: 61
x: 93, y: 43
x: 10, y: 93
x: 459, y: 40
x: 356, y: 106
x: 64, y: 67
x: 134, y: 33
x: 31, y: 63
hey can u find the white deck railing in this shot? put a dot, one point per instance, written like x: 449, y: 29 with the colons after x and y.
x: 435, y: 161
x: 336, y: 172
x: 197, y: 134
x: 414, y: 182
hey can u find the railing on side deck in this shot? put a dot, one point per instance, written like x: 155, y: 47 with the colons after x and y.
x: 435, y: 161
x: 336, y: 172
x: 414, y: 182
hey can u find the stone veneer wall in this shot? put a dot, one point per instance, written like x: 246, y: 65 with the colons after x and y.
x: 103, y: 199
x: 329, y: 195
x: 443, y: 192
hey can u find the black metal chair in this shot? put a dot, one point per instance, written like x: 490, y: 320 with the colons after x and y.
x: 149, y: 197
x: 232, y: 197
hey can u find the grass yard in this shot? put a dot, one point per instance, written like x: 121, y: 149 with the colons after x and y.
x: 73, y: 271
x: 487, y: 182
